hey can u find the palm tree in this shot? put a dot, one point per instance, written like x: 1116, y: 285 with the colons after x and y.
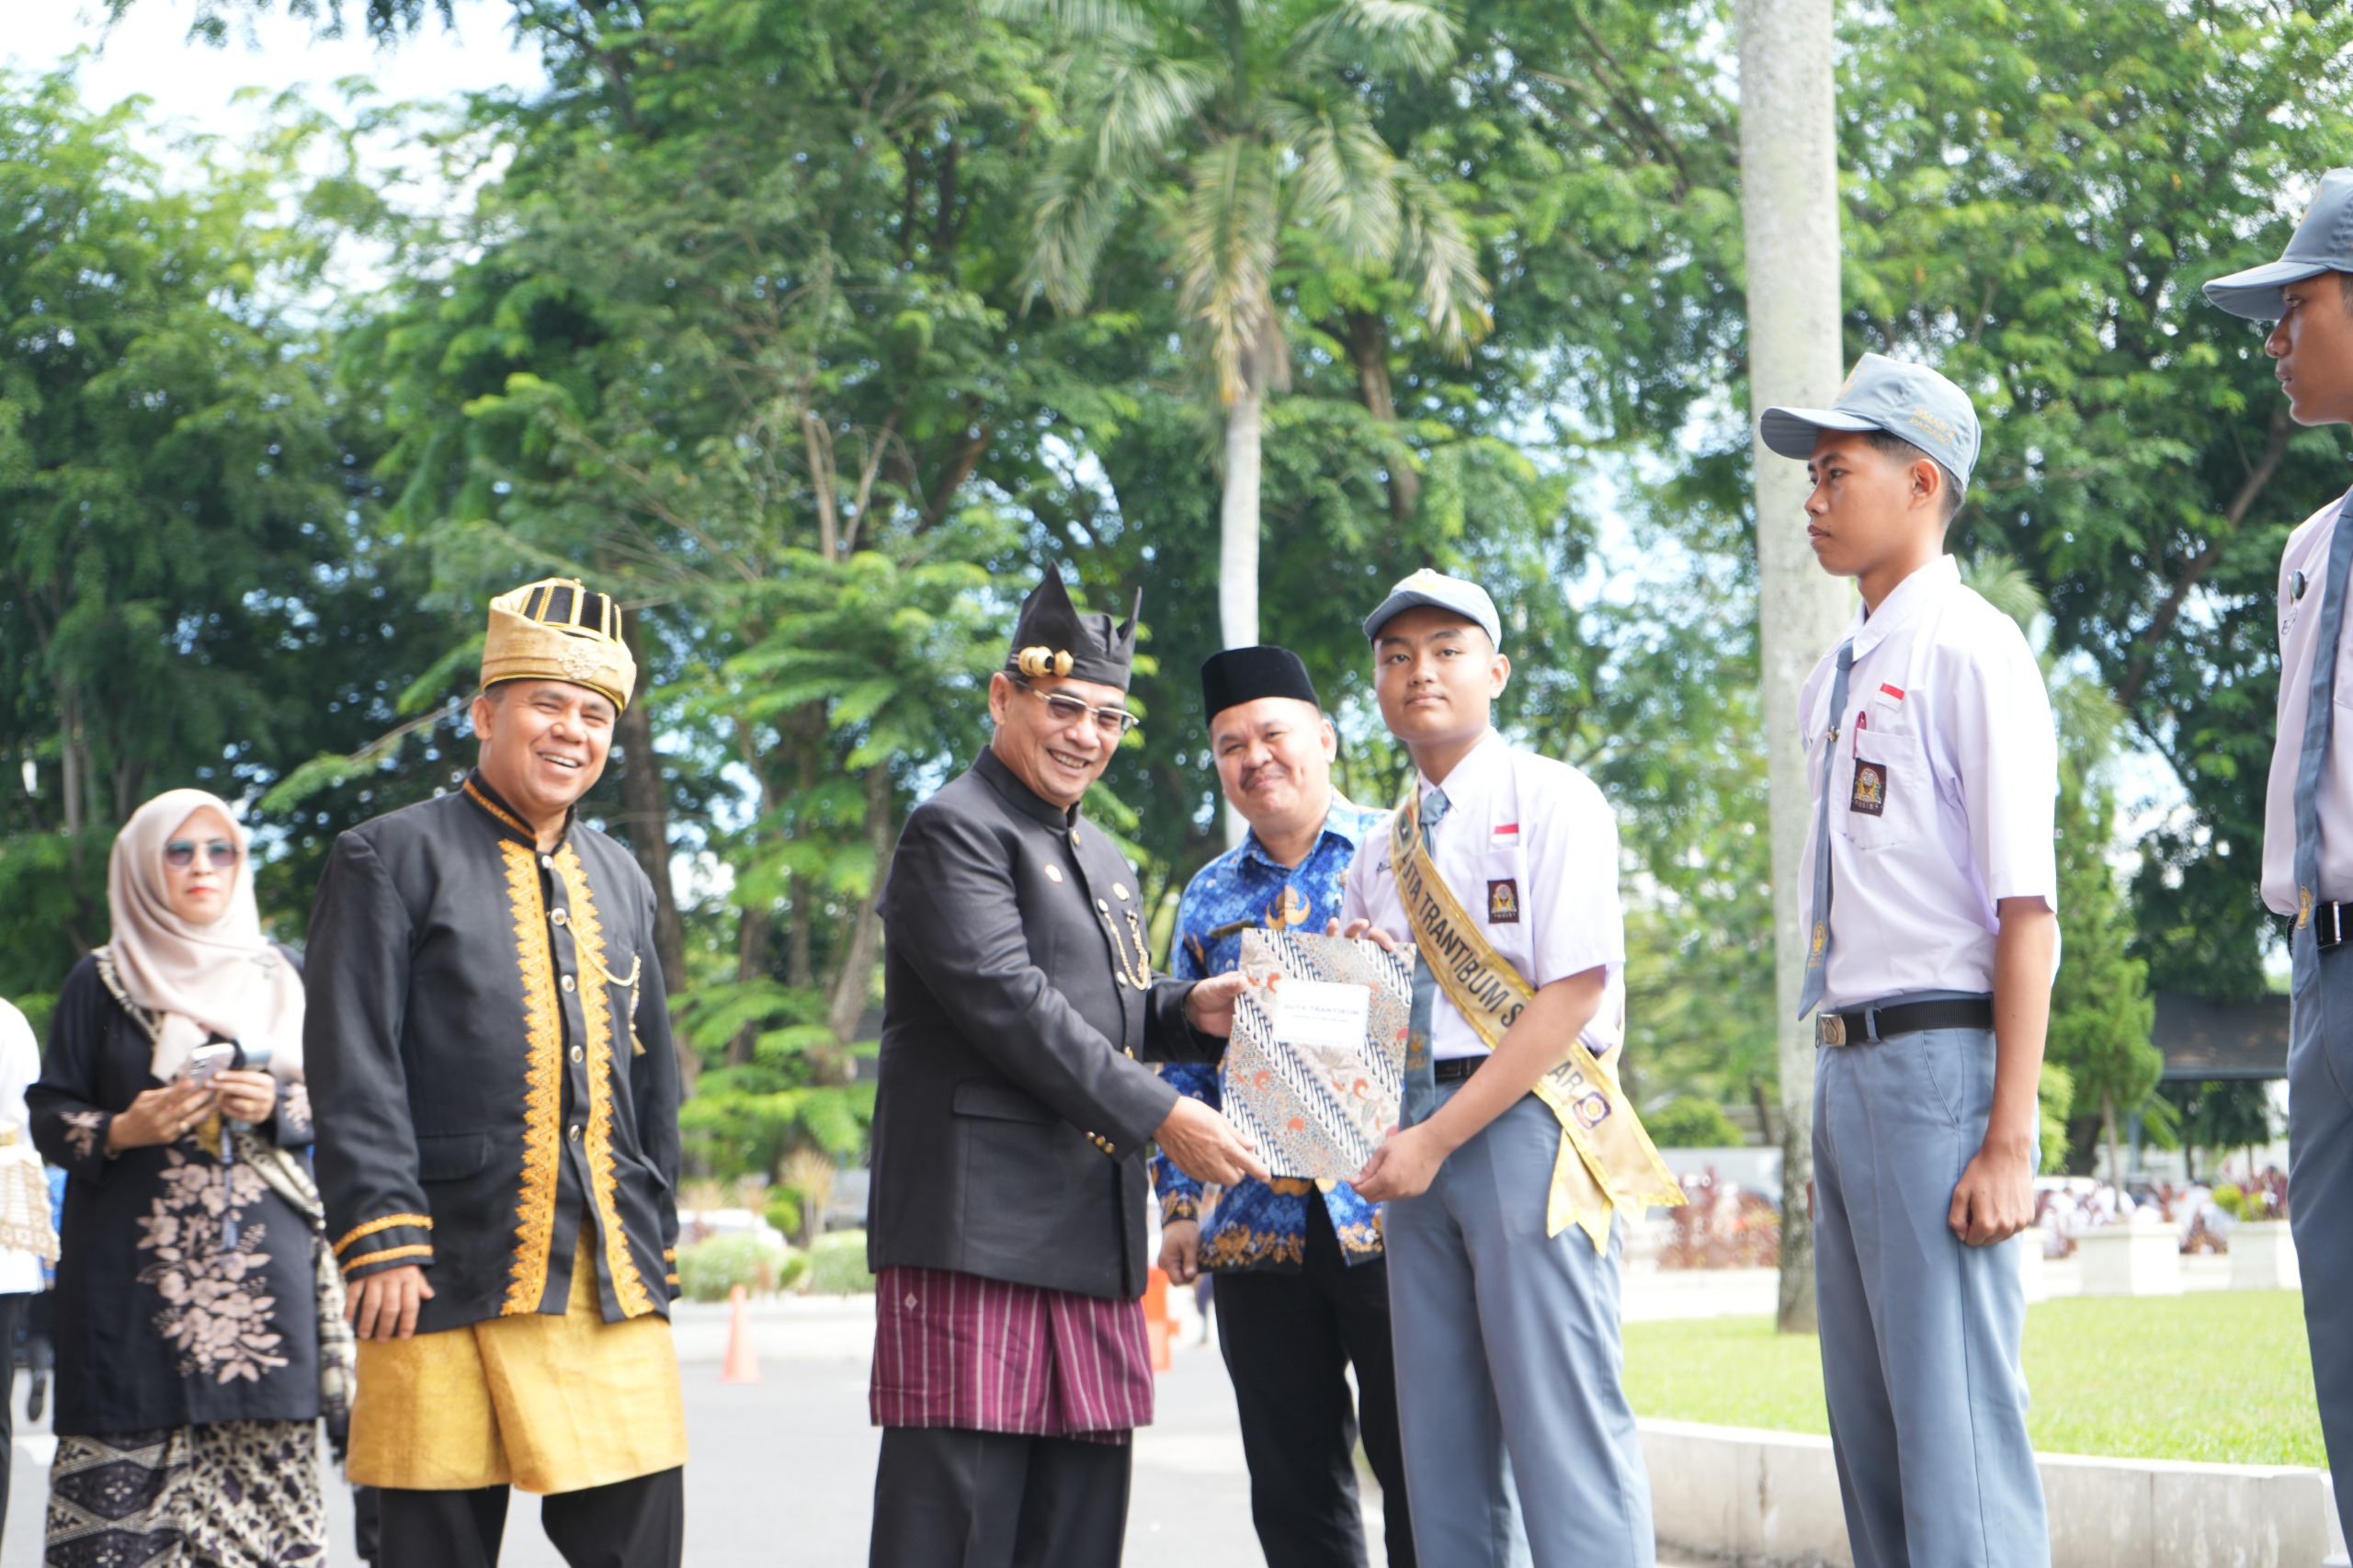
x: 1242, y: 125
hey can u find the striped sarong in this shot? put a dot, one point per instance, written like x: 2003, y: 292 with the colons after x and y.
x: 986, y: 1356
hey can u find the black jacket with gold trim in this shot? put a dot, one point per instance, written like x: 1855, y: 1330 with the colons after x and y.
x: 489, y: 1055
x: 1014, y: 1110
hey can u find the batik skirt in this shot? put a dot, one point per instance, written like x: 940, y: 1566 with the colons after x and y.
x: 226, y: 1495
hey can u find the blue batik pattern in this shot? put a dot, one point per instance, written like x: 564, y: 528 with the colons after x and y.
x: 1262, y: 1224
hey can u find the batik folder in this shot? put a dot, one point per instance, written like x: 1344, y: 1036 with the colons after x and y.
x: 1312, y: 1089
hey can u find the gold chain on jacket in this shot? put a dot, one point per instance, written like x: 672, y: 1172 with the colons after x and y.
x: 636, y: 968
x: 1138, y: 975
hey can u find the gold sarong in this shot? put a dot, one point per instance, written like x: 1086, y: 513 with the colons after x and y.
x: 541, y: 1403
x: 1606, y: 1160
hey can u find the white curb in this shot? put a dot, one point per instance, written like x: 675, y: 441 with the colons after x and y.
x: 1772, y: 1497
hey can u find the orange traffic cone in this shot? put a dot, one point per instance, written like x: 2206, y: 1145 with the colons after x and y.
x: 1157, y: 1327
x: 743, y: 1364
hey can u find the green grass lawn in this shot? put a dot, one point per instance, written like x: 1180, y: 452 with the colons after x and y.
x: 2223, y: 1377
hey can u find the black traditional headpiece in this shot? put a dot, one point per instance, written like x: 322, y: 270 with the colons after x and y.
x: 1053, y: 639
x: 1244, y: 675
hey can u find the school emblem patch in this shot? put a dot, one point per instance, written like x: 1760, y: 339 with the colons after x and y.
x: 1290, y: 908
x: 1871, y: 789
x: 1592, y: 1109
x: 1503, y: 901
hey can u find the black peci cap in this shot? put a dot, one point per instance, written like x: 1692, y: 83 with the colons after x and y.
x: 1244, y: 675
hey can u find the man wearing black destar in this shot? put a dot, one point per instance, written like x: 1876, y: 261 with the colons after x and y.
x: 1007, y: 1225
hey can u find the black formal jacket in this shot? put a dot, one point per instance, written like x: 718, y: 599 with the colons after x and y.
x: 1012, y: 1119
x: 489, y: 1055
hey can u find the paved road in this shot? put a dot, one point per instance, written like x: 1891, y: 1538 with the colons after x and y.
x: 782, y: 1471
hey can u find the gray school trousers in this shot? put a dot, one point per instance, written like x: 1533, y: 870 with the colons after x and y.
x: 1519, y: 1443
x: 2320, y: 1183
x: 1920, y: 1334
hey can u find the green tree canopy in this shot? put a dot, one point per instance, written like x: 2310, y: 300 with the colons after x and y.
x: 188, y: 591
x: 2038, y: 192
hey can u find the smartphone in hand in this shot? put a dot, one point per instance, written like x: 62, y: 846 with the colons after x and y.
x: 208, y: 1062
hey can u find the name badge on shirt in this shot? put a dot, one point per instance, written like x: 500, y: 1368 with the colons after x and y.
x: 1503, y: 901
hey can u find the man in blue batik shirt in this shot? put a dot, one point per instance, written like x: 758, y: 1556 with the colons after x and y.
x: 1302, y: 1292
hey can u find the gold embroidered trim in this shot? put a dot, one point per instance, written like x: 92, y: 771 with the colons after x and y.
x: 670, y: 1255
x: 669, y: 1280
x: 364, y: 1259
x: 597, y: 1012
x: 501, y: 812
x: 357, y: 1232
x: 542, y: 1083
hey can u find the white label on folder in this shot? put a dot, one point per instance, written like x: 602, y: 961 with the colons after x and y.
x: 1322, y: 1013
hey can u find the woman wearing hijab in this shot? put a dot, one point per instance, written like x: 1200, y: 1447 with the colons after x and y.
x: 191, y: 1371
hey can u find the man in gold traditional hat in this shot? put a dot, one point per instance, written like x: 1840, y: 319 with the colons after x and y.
x: 496, y: 1101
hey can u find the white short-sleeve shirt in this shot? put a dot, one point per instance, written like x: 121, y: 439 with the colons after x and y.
x: 1942, y: 791
x: 2302, y: 566
x: 1530, y: 849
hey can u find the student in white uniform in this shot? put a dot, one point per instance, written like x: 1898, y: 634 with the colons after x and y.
x: 27, y: 1217
x: 1503, y: 1255
x: 1934, y: 939
x: 2308, y: 809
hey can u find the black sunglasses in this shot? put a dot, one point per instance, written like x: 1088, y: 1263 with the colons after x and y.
x: 180, y: 854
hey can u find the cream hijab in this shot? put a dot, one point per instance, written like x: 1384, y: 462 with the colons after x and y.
x: 223, y: 978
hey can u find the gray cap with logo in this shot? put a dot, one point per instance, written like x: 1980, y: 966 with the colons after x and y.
x: 1905, y: 400
x: 1461, y: 596
x: 2323, y: 243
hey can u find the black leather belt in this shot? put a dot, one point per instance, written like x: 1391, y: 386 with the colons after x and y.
x: 1454, y: 1069
x: 1906, y: 1018
x: 2329, y: 926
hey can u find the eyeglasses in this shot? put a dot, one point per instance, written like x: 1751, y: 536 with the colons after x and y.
x: 180, y: 854
x: 1112, y: 721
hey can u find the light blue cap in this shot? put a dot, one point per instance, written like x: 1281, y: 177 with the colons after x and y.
x: 2323, y: 243
x: 1463, y: 597
x: 1905, y: 400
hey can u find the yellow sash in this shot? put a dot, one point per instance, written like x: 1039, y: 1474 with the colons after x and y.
x: 1606, y: 1160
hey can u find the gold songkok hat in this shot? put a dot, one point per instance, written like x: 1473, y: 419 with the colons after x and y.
x: 556, y: 629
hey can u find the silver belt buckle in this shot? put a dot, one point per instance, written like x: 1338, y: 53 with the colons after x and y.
x: 1829, y: 1028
